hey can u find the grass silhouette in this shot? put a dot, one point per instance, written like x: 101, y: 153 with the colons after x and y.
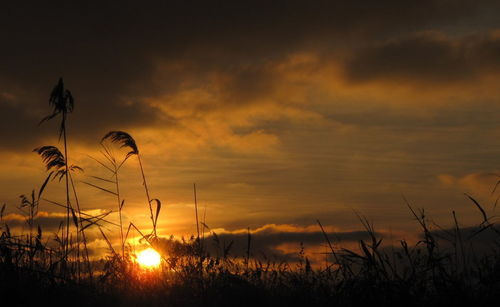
x: 62, y: 102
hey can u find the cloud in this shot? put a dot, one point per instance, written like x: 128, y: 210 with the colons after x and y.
x: 282, y: 241
x: 47, y: 221
x: 474, y: 240
x: 428, y: 57
x: 50, y: 222
x: 479, y: 183
x: 137, y: 66
x: 107, y: 51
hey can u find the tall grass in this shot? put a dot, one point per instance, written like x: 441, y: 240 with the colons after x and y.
x: 62, y: 102
x: 125, y: 140
x: 112, y: 165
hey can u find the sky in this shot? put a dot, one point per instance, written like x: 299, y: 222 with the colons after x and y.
x: 281, y: 112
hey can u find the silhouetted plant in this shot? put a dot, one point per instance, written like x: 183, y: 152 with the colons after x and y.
x: 63, y: 103
x: 56, y: 163
x: 113, y: 167
x: 125, y: 140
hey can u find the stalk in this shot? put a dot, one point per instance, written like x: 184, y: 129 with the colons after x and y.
x: 68, y: 204
x: 84, y: 238
x: 119, y: 209
x: 147, y: 194
x: 196, y: 213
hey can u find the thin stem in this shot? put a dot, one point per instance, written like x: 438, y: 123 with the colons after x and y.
x: 196, y: 212
x: 119, y: 208
x: 147, y: 194
x: 84, y: 238
x: 67, y: 183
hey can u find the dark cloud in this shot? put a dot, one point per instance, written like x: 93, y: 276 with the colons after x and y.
x: 108, y: 53
x: 20, y: 126
x: 474, y: 241
x: 481, y: 236
x: 456, y: 115
x: 48, y: 222
x: 426, y: 58
x: 17, y: 127
x: 266, y: 242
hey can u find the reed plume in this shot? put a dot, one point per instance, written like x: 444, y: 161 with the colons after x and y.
x: 63, y: 103
x: 125, y: 140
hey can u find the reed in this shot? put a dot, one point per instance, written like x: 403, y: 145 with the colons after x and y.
x: 62, y: 102
x: 125, y: 140
x: 112, y: 165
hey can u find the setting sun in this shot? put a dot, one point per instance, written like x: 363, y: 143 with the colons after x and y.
x: 149, y: 258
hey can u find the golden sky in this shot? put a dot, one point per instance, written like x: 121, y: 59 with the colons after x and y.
x: 282, y: 112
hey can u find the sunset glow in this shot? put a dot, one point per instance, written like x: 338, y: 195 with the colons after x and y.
x: 149, y: 259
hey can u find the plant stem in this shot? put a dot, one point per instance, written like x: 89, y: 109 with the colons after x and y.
x: 196, y: 213
x: 119, y: 208
x: 147, y: 194
x: 67, y: 184
x: 84, y: 238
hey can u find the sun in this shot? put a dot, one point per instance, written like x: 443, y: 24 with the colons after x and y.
x: 149, y: 258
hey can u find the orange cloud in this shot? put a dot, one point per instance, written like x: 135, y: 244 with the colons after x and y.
x: 478, y: 183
